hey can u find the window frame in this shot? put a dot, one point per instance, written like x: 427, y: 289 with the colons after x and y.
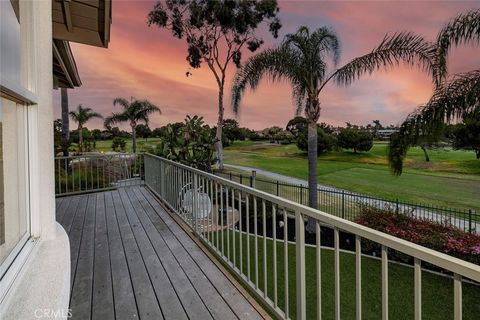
x: 24, y: 97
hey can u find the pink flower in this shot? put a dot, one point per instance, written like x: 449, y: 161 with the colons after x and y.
x: 476, y: 249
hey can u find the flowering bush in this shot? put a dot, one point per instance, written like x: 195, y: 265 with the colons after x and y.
x: 434, y: 235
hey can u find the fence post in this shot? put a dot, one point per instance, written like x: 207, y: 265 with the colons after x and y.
x: 230, y: 176
x: 195, y: 202
x: 252, y: 178
x: 470, y: 220
x: 301, y: 194
x: 396, y: 204
x: 277, y: 188
x: 241, y: 179
x: 343, y: 204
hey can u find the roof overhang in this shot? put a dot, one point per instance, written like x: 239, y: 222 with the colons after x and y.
x: 65, y: 72
x: 83, y: 21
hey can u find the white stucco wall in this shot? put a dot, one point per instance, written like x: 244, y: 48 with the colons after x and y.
x: 43, y: 282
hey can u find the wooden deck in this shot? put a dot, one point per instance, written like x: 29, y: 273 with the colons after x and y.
x: 130, y: 260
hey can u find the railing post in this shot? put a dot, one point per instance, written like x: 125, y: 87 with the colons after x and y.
x: 252, y: 179
x: 300, y: 266
x: 277, y: 188
x: 230, y: 176
x: 343, y: 204
x: 396, y: 206
x: 195, y: 202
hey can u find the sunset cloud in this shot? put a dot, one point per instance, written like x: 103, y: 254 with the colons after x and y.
x: 146, y: 62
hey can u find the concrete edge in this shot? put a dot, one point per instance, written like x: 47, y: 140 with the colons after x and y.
x: 42, y: 288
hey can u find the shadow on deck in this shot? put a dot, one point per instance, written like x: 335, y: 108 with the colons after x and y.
x: 131, y: 260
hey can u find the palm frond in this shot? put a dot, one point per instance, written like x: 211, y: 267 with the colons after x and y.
x: 459, y: 98
x: 278, y: 63
x: 400, y: 47
x: 122, y: 102
x: 116, y: 118
x: 327, y: 43
x: 463, y: 29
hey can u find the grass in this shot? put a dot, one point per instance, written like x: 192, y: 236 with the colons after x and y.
x: 437, y: 291
x: 106, y: 145
x: 450, y: 179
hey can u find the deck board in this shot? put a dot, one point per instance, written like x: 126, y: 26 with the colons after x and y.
x: 130, y: 260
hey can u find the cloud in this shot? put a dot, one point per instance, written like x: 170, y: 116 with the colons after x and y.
x: 146, y: 62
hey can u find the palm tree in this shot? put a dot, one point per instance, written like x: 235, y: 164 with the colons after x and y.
x: 455, y: 97
x: 134, y: 112
x: 65, y: 122
x: 81, y: 116
x: 303, y: 60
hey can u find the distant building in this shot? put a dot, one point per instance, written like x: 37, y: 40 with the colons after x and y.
x: 385, y: 133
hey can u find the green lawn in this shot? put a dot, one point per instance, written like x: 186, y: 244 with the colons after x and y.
x: 437, y: 291
x: 106, y: 145
x: 450, y: 179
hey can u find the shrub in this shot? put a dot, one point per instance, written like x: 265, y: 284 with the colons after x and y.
x: 118, y: 144
x: 438, y: 236
x: 353, y: 138
x: 325, y: 142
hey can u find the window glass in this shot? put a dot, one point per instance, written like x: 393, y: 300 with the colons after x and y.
x: 14, y: 220
x: 9, y: 44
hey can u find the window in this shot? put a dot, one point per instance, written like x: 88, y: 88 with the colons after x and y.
x: 14, y: 218
x: 14, y: 191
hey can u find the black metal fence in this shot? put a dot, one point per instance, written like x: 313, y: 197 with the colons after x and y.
x: 348, y: 205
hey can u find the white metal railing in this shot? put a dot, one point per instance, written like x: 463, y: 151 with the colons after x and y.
x: 96, y: 172
x: 223, y: 213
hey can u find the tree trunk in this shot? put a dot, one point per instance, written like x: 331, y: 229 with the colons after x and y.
x: 65, y: 122
x: 312, y: 172
x: 427, y: 158
x: 80, y: 138
x: 219, y: 144
x: 134, y: 139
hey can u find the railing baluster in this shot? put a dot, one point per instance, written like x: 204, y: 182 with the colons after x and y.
x: 300, y: 266
x: 274, y: 258
x: 264, y: 231
x: 221, y: 219
x: 247, y: 222
x: 384, y: 283
x: 418, y: 289
x: 228, y: 224
x: 285, y: 260
x: 358, y: 276
x: 240, y: 230
x: 337, y: 272
x: 457, y: 296
x: 255, y: 227
x: 233, y: 228
x: 318, y: 253
x: 217, y: 211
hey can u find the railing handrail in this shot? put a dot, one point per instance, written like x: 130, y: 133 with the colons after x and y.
x: 461, y: 267
x: 98, y: 155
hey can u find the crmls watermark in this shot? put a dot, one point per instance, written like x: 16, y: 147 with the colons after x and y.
x: 53, y: 313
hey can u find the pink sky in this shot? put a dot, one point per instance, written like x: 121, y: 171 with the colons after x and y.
x: 148, y: 63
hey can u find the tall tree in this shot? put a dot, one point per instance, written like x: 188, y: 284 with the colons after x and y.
x: 303, y: 59
x: 455, y: 97
x: 81, y: 116
x: 216, y: 31
x: 134, y: 112
x: 65, y: 122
